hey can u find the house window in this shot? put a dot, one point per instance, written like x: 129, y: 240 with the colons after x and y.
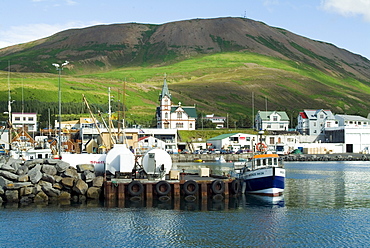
x: 322, y: 116
x: 281, y: 126
x: 191, y: 125
x: 166, y: 125
x: 179, y: 125
x: 166, y: 115
x: 268, y: 126
x: 274, y: 118
x: 179, y: 115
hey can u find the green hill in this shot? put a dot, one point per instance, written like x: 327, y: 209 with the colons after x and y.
x: 223, y: 66
x: 221, y: 83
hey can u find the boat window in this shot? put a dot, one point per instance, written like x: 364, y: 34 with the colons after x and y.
x: 264, y: 162
x: 258, y: 162
x: 276, y: 162
x: 270, y: 161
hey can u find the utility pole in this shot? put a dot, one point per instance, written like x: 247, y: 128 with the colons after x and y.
x: 59, y: 68
x: 9, y: 109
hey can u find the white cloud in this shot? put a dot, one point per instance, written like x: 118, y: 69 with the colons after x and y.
x: 71, y: 2
x: 348, y: 7
x: 22, y: 34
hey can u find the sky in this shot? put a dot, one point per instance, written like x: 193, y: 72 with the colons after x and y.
x: 344, y: 23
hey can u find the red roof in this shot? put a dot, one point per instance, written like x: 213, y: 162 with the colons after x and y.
x: 303, y: 115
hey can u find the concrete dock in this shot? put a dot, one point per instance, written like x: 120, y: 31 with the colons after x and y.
x: 190, y: 188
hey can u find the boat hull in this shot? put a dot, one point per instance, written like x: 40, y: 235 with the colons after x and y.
x: 267, y: 181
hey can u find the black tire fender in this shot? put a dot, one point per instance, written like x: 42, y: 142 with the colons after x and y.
x: 194, y: 187
x: 218, y: 187
x: 132, y: 186
x: 160, y: 185
x: 235, y: 186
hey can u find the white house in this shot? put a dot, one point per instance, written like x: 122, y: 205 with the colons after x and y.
x: 233, y: 141
x: 219, y: 121
x: 353, y: 131
x: 314, y: 122
x: 26, y: 120
x: 352, y: 121
x: 149, y: 142
x: 171, y: 116
x: 272, y: 121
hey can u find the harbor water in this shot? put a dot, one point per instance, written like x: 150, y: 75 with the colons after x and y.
x: 325, y: 204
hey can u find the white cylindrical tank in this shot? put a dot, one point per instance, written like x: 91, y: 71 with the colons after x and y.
x: 120, y: 158
x: 157, y: 163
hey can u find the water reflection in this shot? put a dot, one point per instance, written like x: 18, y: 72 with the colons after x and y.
x: 327, y: 185
x: 212, y: 203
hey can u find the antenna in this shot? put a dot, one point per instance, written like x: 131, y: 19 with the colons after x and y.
x: 266, y: 102
x: 253, y: 109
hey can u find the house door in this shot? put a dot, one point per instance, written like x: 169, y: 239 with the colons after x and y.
x: 349, y: 148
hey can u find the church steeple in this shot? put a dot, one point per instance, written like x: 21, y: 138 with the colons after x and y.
x: 165, y: 91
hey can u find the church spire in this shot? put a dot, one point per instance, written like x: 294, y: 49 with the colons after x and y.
x: 165, y: 91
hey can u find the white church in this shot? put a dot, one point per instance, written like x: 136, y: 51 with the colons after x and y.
x: 171, y: 116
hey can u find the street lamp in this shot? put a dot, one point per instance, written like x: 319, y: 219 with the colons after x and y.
x: 59, y: 68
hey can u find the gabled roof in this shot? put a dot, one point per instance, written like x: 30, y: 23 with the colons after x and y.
x: 303, y: 115
x: 352, y: 118
x: 313, y: 113
x: 189, y: 110
x: 265, y: 115
x: 223, y: 136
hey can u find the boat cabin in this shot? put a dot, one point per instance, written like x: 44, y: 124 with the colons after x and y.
x: 265, y: 160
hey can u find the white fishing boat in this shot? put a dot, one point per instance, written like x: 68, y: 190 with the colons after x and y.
x: 263, y: 175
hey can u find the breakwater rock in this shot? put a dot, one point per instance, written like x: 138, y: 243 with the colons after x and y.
x: 327, y: 157
x: 47, y: 180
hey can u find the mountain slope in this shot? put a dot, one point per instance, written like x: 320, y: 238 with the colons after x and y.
x: 222, y: 65
x: 111, y: 46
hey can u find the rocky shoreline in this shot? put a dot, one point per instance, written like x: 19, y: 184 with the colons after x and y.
x: 46, y: 181
x: 327, y: 157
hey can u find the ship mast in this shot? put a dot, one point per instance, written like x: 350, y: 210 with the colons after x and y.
x: 9, y: 109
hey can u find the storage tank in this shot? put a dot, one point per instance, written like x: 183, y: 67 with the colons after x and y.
x: 157, y: 163
x: 120, y: 158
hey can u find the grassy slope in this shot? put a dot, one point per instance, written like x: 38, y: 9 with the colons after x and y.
x: 218, y: 83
